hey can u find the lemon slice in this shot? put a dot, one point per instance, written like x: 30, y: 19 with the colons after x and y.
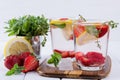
x: 67, y: 31
x: 16, y: 46
x: 69, y: 21
x: 84, y: 38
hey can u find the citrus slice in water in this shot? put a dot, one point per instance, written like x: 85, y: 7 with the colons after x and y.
x: 17, y: 46
x: 85, y: 38
x: 65, y: 25
x: 82, y: 36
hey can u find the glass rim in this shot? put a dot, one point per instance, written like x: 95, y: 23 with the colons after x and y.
x: 92, y: 21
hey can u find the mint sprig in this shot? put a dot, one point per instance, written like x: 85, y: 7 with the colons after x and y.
x: 55, y: 59
x: 28, y: 26
x: 62, y: 25
x: 111, y: 23
x: 15, y: 70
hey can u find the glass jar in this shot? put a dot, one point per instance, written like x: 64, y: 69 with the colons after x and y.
x: 91, y: 44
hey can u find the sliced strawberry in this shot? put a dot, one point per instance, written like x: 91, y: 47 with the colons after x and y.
x: 23, y: 55
x: 58, y: 51
x: 103, y: 29
x: 71, y: 54
x: 78, y: 30
x: 85, y: 61
x: 96, y: 58
x: 65, y: 54
x: 31, y: 63
x: 78, y: 55
x: 63, y: 18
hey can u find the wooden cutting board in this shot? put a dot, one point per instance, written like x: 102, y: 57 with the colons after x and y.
x: 50, y: 71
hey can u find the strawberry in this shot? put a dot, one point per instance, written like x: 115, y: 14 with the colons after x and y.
x: 85, y: 61
x: 23, y: 55
x: 11, y: 60
x: 65, y: 54
x: 71, y: 54
x: 63, y: 19
x: 58, y: 51
x: 96, y: 58
x: 78, y: 30
x: 78, y: 55
x: 31, y: 63
x: 103, y: 29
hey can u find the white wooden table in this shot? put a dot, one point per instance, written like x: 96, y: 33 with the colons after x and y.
x: 113, y: 52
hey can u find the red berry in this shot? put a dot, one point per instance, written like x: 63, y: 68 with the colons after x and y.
x: 63, y: 18
x: 31, y: 63
x: 58, y: 51
x: 78, y: 30
x: 71, y: 54
x: 103, y: 29
x: 78, y: 55
x: 96, y: 58
x: 65, y: 54
x: 85, y: 61
x: 23, y: 56
x: 11, y: 60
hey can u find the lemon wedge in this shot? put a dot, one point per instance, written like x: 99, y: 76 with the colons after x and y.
x: 16, y: 46
x: 84, y: 38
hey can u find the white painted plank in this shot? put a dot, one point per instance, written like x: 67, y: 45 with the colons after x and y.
x: 115, y: 70
x: 36, y: 76
x: 3, y: 71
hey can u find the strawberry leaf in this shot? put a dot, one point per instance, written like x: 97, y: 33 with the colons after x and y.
x: 15, y: 70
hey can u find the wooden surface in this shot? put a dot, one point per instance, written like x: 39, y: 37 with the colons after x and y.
x: 51, y: 71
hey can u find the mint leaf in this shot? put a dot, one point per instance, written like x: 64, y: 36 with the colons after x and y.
x: 15, y: 70
x: 50, y: 61
x: 91, y: 29
x: 112, y: 24
x: 55, y: 59
x: 62, y: 25
x: 82, y: 18
x: 28, y: 26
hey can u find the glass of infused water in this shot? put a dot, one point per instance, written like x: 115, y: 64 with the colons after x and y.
x: 62, y: 36
x: 91, y: 44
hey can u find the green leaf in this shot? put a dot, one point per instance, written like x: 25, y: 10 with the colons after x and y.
x: 91, y: 29
x: 55, y: 59
x: 28, y: 26
x: 15, y: 70
x: 82, y: 18
x: 11, y: 33
x: 112, y: 24
x: 50, y: 61
x: 62, y: 25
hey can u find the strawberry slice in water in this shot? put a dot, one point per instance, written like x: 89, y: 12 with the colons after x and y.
x: 103, y: 29
x: 96, y: 58
x: 78, y: 55
x: 85, y: 61
x: 63, y: 19
x: 78, y: 30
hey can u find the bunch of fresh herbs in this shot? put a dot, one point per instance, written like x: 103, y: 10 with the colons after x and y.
x: 28, y: 26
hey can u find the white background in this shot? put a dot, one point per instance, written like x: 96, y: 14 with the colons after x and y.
x: 99, y: 9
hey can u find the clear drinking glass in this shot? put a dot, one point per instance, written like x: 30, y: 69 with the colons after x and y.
x: 91, y: 44
x: 62, y: 36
